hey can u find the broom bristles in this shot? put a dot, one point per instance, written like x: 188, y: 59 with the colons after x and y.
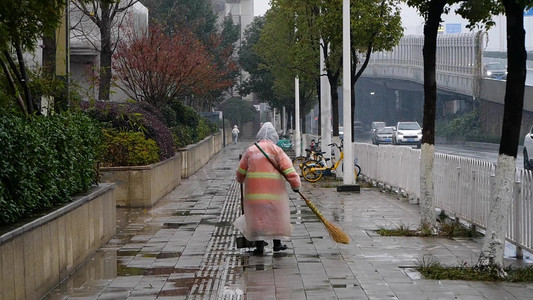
x: 335, y: 232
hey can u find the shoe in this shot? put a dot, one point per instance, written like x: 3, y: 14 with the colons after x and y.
x: 280, y: 248
x: 259, y: 247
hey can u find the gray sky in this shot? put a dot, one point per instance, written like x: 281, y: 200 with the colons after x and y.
x: 260, y: 7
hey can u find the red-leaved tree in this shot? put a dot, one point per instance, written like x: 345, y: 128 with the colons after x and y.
x: 155, y: 67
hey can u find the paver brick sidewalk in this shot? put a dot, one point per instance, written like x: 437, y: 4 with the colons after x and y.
x: 184, y: 248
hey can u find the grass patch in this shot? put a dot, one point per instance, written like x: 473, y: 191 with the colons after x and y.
x: 432, y: 269
x: 402, y: 230
x: 446, y: 227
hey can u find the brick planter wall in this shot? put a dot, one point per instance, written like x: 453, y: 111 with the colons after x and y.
x: 38, y: 255
x: 143, y: 186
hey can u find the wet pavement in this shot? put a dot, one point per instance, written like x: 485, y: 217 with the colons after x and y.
x: 184, y: 248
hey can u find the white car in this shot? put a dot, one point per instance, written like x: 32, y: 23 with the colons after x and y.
x: 407, y: 133
x: 528, y: 150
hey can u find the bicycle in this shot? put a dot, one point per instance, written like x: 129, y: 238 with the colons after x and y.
x: 313, y: 153
x: 313, y: 170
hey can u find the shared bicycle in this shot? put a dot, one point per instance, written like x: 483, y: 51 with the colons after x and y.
x: 313, y: 170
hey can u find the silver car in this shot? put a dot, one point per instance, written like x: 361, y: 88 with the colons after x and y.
x: 384, y: 135
x: 407, y: 133
x: 374, y: 130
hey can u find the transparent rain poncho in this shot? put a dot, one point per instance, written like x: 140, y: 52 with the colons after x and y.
x: 266, y: 202
x: 267, y: 132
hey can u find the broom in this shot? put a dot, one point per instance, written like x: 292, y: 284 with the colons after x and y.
x: 335, y: 232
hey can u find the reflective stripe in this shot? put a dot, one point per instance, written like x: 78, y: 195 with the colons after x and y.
x: 242, y: 171
x: 263, y: 175
x: 287, y: 171
x: 263, y: 197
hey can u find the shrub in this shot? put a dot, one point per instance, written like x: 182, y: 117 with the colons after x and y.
x: 128, y: 149
x: 461, y: 126
x: 183, y: 135
x: 190, y: 126
x: 202, y: 130
x: 139, y: 117
x: 45, y: 161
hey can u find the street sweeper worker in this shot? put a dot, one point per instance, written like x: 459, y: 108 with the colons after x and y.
x: 266, y: 202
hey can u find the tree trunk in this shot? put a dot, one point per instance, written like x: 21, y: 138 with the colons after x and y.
x: 333, y: 82
x: 13, y: 86
x: 427, y: 204
x: 24, y: 80
x: 355, y: 76
x: 105, y: 54
x: 502, y: 194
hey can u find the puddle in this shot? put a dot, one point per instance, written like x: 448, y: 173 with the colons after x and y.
x: 258, y: 267
x: 184, y: 291
x: 150, y: 255
x: 182, y: 213
x: 177, y: 225
x: 168, y: 255
x: 127, y: 253
x: 127, y: 271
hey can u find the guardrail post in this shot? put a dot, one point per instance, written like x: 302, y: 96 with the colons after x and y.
x: 517, y: 219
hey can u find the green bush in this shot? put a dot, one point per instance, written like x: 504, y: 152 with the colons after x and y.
x: 127, y: 148
x: 202, y: 130
x: 183, y: 135
x: 190, y: 126
x: 459, y: 127
x: 45, y: 161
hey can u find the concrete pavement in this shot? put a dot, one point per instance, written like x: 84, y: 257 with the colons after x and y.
x: 184, y: 248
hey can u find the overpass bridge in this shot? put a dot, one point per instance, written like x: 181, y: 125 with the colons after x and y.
x: 459, y: 74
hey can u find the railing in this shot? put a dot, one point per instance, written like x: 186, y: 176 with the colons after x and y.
x: 462, y: 186
x: 458, y: 62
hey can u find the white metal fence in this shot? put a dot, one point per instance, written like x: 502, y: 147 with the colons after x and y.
x: 462, y: 186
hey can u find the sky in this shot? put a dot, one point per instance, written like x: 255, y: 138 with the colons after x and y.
x: 260, y: 7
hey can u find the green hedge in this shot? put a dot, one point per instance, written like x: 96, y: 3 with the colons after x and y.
x: 127, y: 148
x: 44, y: 161
x: 187, y: 126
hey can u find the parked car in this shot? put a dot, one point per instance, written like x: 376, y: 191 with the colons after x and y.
x: 495, y: 70
x: 374, y: 128
x: 384, y: 135
x: 407, y: 133
x: 528, y: 150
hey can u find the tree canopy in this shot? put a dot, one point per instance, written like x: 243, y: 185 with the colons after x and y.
x: 157, y: 67
x: 22, y: 23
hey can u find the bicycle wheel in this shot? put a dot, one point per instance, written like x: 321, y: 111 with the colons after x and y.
x: 297, y: 162
x: 310, y: 174
x: 357, y: 171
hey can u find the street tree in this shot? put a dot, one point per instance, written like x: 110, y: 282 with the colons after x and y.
x: 194, y: 15
x: 502, y: 194
x: 261, y: 80
x: 158, y: 68
x: 219, y: 40
x: 239, y: 111
x: 22, y: 23
x: 478, y: 13
x: 109, y: 16
x: 287, y: 55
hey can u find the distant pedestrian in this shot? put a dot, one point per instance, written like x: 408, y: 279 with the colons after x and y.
x: 235, y: 134
x: 266, y: 202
